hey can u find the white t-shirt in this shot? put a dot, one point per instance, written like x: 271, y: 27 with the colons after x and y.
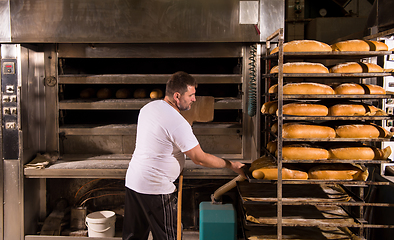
x: 163, y: 135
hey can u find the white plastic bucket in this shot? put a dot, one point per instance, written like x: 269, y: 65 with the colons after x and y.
x: 101, y: 224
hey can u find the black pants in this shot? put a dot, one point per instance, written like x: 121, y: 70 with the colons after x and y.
x: 146, y: 213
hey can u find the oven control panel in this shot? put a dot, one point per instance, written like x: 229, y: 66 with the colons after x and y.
x: 9, y: 89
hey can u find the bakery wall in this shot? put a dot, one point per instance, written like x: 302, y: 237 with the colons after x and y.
x: 327, y: 21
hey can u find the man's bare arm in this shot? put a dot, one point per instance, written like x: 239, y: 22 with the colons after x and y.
x: 199, y: 157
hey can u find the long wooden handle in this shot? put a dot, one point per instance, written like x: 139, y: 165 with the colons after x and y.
x: 227, y: 187
x: 179, y: 212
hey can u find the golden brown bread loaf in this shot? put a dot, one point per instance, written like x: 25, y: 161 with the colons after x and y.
x: 305, y: 109
x: 156, y: 94
x: 354, y: 109
x: 359, y: 153
x: 356, y: 67
x: 303, y: 152
x: 361, y: 131
x: 104, y: 93
x: 301, y: 67
x: 304, y: 46
x: 271, y: 173
x: 304, y: 130
x: 272, y: 146
x: 350, y: 46
x: 377, y: 46
x: 265, y: 168
x: 354, y: 88
x: 273, y: 89
x: 338, y: 172
x: 139, y: 93
x: 87, y: 93
x: 269, y: 107
x: 303, y: 88
x: 123, y: 93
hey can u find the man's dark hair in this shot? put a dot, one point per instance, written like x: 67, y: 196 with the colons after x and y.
x: 179, y: 82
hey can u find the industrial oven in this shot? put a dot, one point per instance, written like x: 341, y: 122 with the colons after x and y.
x: 65, y: 147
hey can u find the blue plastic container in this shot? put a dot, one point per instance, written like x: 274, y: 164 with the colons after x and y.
x: 217, y: 221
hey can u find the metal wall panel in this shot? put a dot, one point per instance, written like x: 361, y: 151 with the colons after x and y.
x: 5, y: 21
x: 12, y: 200
x: 138, y: 21
x: 272, y: 17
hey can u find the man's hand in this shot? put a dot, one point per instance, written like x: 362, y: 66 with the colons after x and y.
x: 237, y: 167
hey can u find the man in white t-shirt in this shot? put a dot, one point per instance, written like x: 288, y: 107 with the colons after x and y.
x: 164, y: 137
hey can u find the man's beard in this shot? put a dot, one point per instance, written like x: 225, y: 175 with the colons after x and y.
x: 183, y: 108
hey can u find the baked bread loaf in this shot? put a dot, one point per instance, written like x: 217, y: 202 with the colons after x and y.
x: 104, y: 93
x: 303, y: 152
x: 361, y: 131
x: 350, y: 46
x: 271, y: 173
x: 304, y: 46
x: 123, y: 93
x: 273, y: 89
x: 354, y: 109
x: 305, y: 130
x: 269, y: 107
x: 356, y: 67
x: 265, y: 168
x: 354, y: 88
x: 303, y: 88
x: 87, y: 93
x: 139, y: 93
x: 377, y: 46
x: 338, y: 172
x: 359, y: 153
x: 305, y: 109
x: 301, y: 67
x: 156, y: 94
x: 272, y: 146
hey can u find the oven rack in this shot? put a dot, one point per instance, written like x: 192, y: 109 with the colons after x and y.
x: 252, y: 180
x: 327, y: 160
x: 328, y: 118
x: 114, y: 166
x: 131, y: 129
x: 333, y: 96
x: 329, y: 75
x: 144, y: 78
x: 329, y: 55
x: 133, y: 104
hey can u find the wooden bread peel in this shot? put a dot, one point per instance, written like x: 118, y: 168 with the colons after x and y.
x: 201, y: 110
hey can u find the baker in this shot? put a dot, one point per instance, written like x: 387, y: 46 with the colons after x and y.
x: 164, y: 137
